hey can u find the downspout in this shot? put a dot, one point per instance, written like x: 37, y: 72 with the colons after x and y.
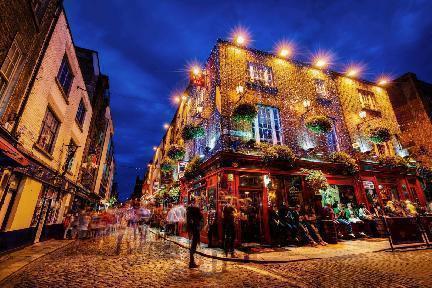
x: 37, y: 67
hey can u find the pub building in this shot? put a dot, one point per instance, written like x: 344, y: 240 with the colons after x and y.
x: 252, y: 125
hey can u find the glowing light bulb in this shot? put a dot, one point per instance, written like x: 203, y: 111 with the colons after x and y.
x: 176, y: 99
x: 383, y: 81
x: 362, y: 114
x: 240, y: 40
x: 352, y: 72
x: 284, y: 52
x: 154, y: 148
x: 321, y: 62
x: 196, y: 70
x: 166, y: 126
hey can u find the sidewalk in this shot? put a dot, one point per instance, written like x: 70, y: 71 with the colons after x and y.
x: 14, y: 261
x: 289, y: 254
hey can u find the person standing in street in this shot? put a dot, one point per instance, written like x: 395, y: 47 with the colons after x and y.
x: 193, y: 218
x: 228, y: 215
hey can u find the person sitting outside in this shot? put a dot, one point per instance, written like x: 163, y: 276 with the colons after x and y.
x: 410, y: 209
x: 286, y: 225
x: 366, y: 216
x: 354, y: 219
x: 299, y: 221
x: 310, y: 223
x: 340, y: 215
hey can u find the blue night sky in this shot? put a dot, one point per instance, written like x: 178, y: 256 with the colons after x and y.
x: 145, y: 46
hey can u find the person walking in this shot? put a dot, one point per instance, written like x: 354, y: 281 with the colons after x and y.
x: 228, y: 216
x: 193, y: 218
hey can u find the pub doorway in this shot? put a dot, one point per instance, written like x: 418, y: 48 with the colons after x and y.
x: 251, y: 208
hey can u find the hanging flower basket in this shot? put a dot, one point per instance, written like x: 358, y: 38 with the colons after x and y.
x: 192, y: 169
x: 349, y: 164
x: 191, y: 132
x: 424, y: 172
x: 245, y: 113
x: 272, y: 153
x: 167, y: 166
x: 392, y: 161
x: 176, y: 152
x: 379, y: 135
x: 319, y: 124
x: 315, y: 179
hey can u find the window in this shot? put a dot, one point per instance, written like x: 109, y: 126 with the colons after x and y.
x: 81, y: 112
x: 9, y: 66
x: 267, y: 126
x: 261, y: 74
x: 50, y: 126
x: 65, y: 76
x: 332, y: 142
x: 320, y: 87
x: 367, y: 100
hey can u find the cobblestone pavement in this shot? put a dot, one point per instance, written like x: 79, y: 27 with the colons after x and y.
x: 158, y: 263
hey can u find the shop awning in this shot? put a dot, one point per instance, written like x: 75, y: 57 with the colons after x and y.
x: 8, y: 150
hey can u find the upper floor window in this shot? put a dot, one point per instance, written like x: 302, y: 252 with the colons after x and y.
x: 261, y: 74
x: 49, y: 131
x: 267, y: 126
x: 320, y: 87
x: 9, y: 66
x: 65, y: 76
x: 367, y: 100
x: 81, y: 112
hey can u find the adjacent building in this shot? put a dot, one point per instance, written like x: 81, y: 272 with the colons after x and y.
x: 97, y: 171
x: 265, y: 130
x: 412, y: 102
x: 47, y: 109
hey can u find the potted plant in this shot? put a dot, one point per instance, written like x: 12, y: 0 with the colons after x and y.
x: 192, y: 169
x: 245, y: 113
x: 176, y: 152
x: 379, y: 135
x: 167, y: 166
x: 191, y: 132
x: 319, y: 124
x: 273, y: 153
x: 349, y: 164
x: 392, y: 161
x: 315, y: 180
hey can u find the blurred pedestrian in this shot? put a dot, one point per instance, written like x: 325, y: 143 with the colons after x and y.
x: 193, y: 218
x: 228, y: 218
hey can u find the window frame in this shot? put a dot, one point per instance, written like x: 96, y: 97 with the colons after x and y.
x: 255, y: 68
x: 54, y: 135
x: 368, y: 100
x: 274, y: 130
x: 81, y: 113
x: 65, y: 63
x: 7, y: 74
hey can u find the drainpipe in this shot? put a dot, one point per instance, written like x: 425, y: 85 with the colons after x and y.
x: 37, y: 67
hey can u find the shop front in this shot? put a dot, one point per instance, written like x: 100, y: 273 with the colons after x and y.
x: 257, y: 190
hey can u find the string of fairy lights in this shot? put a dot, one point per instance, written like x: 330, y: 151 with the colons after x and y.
x: 320, y: 62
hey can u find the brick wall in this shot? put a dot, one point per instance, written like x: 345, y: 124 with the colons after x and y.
x: 18, y: 19
x: 47, y: 93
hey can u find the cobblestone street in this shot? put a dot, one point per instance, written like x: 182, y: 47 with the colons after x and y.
x: 159, y: 263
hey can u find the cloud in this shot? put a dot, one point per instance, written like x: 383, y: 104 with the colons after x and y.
x: 144, y: 46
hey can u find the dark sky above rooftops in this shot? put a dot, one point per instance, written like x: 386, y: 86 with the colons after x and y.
x: 145, y: 46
